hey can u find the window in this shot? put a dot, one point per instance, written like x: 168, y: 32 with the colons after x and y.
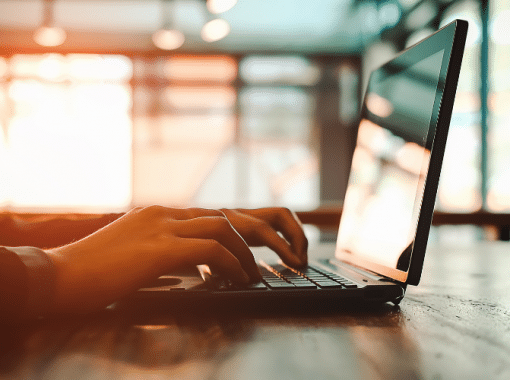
x: 475, y: 173
x: 208, y: 135
x: 461, y: 181
x: 85, y: 132
x: 184, y: 124
x: 278, y: 161
x: 498, y: 186
x: 65, y: 140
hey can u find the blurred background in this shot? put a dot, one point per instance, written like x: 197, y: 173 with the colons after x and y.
x: 105, y: 105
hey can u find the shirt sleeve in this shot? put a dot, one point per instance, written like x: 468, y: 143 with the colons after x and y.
x: 27, y: 282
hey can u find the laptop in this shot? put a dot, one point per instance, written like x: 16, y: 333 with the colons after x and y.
x: 389, y: 202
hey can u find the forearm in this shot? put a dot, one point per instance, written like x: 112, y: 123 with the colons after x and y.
x: 49, y: 230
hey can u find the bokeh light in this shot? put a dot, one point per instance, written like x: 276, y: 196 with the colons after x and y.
x: 215, y: 30
x: 50, y: 36
x: 167, y: 39
x: 220, y: 6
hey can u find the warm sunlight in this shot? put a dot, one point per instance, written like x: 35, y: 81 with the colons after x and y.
x: 68, y: 142
x: 201, y: 68
x: 186, y: 97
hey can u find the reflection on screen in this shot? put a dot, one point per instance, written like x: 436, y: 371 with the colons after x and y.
x: 390, y: 163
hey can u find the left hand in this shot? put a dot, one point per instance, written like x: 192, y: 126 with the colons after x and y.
x: 263, y: 226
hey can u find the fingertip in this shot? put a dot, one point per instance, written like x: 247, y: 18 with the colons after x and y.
x: 257, y: 277
x: 294, y: 262
x: 241, y: 278
x: 304, y: 262
x: 245, y: 278
x: 304, y: 258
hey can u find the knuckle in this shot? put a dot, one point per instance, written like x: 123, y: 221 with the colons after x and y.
x: 204, y: 212
x: 154, y: 210
x: 136, y: 210
x: 190, y: 213
x: 286, y: 213
x: 280, y: 215
x: 225, y: 211
x: 217, y: 213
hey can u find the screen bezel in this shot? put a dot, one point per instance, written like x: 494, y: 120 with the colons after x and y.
x: 451, y: 39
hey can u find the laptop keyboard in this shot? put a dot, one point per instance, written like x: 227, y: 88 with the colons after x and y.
x: 281, y: 277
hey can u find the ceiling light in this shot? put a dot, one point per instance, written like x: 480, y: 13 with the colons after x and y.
x: 220, y: 6
x: 215, y: 30
x: 49, y: 36
x: 168, y: 39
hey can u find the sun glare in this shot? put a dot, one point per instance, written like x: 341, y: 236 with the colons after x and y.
x: 68, y: 144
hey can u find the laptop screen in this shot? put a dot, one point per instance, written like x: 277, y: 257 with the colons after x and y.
x: 391, y: 161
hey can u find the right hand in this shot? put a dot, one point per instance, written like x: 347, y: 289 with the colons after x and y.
x: 142, y: 245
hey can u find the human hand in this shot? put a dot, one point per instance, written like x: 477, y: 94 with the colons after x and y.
x: 263, y: 226
x: 142, y: 245
x: 148, y: 242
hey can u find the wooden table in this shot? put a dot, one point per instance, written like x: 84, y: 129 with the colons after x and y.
x: 456, y: 324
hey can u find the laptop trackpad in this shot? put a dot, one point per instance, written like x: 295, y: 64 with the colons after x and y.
x: 170, y: 282
x: 164, y: 281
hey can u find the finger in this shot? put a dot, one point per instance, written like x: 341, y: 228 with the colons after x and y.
x: 216, y: 256
x: 259, y: 233
x: 289, y: 224
x: 220, y: 229
x: 191, y: 213
x: 160, y: 212
x: 286, y: 222
x: 267, y: 236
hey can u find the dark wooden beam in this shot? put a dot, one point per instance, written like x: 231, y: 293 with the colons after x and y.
x: 330, y: 218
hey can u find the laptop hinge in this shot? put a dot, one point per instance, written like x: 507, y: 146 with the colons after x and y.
x: 363, y: 271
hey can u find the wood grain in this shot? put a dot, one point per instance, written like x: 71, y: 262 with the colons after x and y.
x: 455, y: 324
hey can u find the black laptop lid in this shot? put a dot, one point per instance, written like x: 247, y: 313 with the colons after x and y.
x: 395, y: 169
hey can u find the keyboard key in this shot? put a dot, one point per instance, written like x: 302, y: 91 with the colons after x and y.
x: 281, y: 277
x: 329, y: 284
x: 274, y: 281
x: 281, y: 285
x: 326, y: 281
x: 301, y: 279
x: 294, y: 276
x: 309, y: 270
x: 308, y: 285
